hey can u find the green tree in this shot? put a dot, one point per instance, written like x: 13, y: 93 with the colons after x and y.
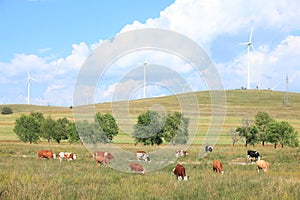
x: 282, y: 133
x: 176, y: 128
x: 107, y: 124
x: 48, y: 128
x: 27, y: 129
x: 61, y: 132
x: 6, y: 110
x: 149, y: 128
x: 91, y: 133
x: 72, y: 133
x: 262, y: 120
x: 249, y: 133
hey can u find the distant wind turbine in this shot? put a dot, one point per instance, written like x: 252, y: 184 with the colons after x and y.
x: 248, y: 44
x: 29, y: 78
x: 145, y: 65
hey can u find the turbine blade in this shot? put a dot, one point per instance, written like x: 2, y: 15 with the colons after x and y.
x: 253, y: 47
x: 250, y: 37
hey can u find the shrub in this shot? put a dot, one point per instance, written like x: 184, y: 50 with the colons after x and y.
x: 6, y: 111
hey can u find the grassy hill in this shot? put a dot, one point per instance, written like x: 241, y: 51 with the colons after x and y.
x: 239, y: 104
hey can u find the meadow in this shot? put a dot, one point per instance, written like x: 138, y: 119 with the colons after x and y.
x: 24, y: 176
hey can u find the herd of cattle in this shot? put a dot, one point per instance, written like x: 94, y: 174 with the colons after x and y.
x: 102, y: 157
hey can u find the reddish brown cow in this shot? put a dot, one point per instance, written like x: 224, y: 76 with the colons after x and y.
x: 101, y: 160
x: 46, y: 154
x: 103, y: 154
x: 136, y: 167
x: 180, y: 153
x: 179, y: 171
x: 217, y: 167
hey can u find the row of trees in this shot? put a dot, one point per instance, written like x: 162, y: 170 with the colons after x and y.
x: 266, y: 129
x: 151, y: 128
x: 35, y: 126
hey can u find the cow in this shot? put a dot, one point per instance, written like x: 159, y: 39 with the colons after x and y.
x: 136, y: 167
x: 179, y: 172
x: 142, y: 156
x: 67, y: 155
x: 180, y: 153
x: 208, y: 149
x: 262, y: 164
x: 253, y: 154
x: 46, y: 154
x: 103, y: 154
x: 217, y: 167
x: 101, y: 160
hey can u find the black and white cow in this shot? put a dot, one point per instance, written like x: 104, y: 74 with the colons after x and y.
x: 253, y: 154
x: 208, y: 148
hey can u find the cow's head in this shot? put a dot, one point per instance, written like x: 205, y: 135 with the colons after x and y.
x: 147, y: 158
x: 74, y: 156
x: 54, y: 156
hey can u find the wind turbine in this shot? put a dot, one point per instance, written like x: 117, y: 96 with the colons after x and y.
x: 145, y: 66
x: 248, y: 44
x: 29, y: 78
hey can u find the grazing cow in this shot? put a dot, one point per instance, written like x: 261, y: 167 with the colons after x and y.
x: 179, y: 172
x: 180, y: 153
x: 217, y: 167
x: 142, y: 156
x: 46, y: 154
x: 101, y: 160
x: 103, y: 154
x: 208, y: 148
x: 136, y: 167
x: 253, y: 154
x: 67, y: 155
x: 262, y: 164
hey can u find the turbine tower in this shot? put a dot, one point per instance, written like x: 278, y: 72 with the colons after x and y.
x: 248, y: 44
x: 145, y: 65
x: 28, y: 87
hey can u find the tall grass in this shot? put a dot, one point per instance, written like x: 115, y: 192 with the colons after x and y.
x: 24, y: 176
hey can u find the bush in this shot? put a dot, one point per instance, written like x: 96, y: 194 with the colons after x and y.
x: 6, y: 111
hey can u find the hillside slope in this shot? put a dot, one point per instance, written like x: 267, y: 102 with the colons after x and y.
x: 239, y: 104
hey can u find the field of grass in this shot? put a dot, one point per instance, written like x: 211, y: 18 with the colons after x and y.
x: 24, y: 176
x: 239, y: 104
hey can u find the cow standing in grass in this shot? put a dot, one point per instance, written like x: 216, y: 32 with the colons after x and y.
x: 180, y: 153
x: 67, y: 155
x: 104, y: 154
x: 179, y: 172
x: 253, y: 154
x: 101, y: 160
x: 218, y: 167
x: 136, y: 167
x: 46, y: 154
x: 142, y: 156
x: 262, y: 165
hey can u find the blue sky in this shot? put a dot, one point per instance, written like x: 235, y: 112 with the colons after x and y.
x: 52, y: 38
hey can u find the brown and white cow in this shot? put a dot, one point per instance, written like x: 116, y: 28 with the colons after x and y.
x: 103, y: 154
x: 179, y: 172
x: 102, y: 160
x: 136, y: 167
x: 142, y: 156
x: 46, y: 154
x: 67, y: 155
x: 180, y: 153
x: 262, y: 165
x: 217, y: 167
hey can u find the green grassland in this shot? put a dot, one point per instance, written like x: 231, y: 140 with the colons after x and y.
x: 239, y: 104
x: 24, y: 176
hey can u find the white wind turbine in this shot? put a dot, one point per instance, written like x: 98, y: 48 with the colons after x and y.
x: 29, y: 78
x: 248, y: 44
x: 145, y: 65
